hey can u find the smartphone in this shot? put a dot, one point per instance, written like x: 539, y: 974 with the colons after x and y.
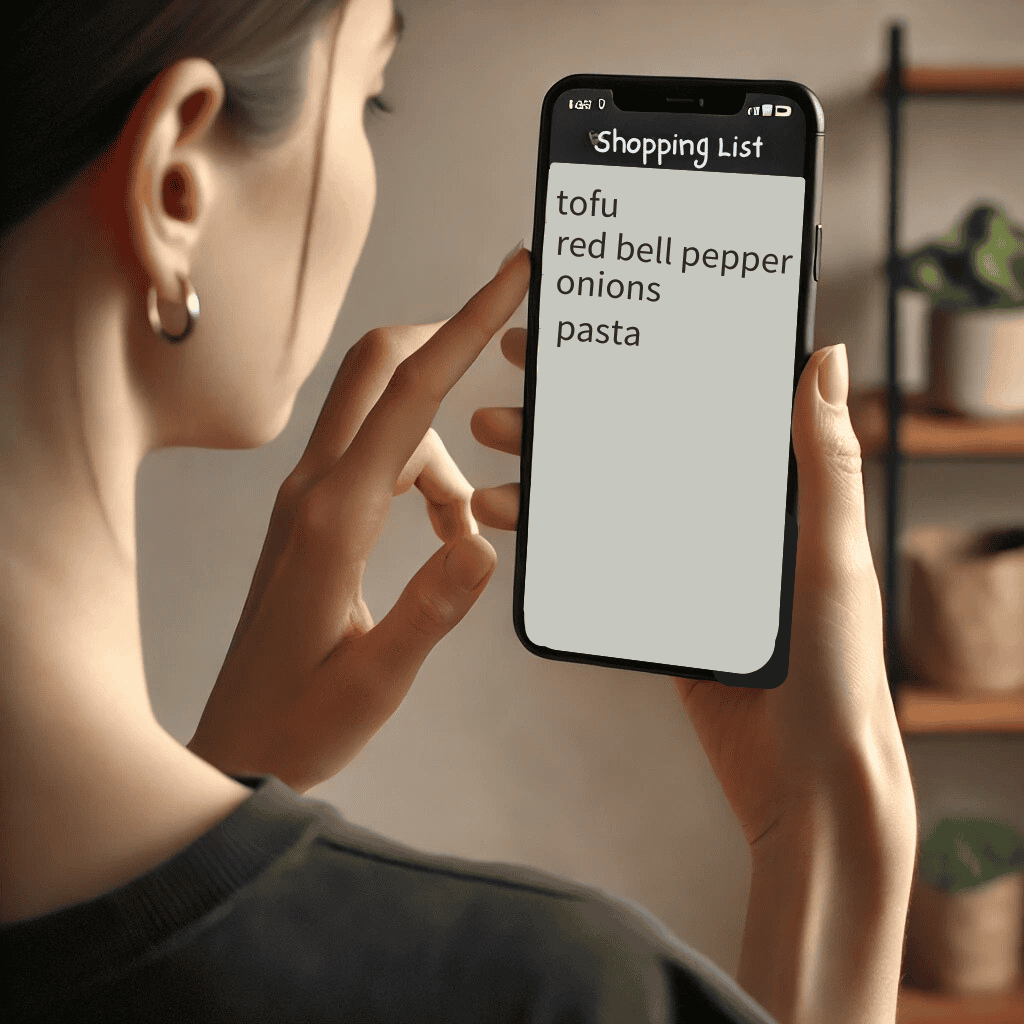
x: 676, y: 249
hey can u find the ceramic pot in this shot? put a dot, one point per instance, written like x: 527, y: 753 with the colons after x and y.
x: 977, y: 362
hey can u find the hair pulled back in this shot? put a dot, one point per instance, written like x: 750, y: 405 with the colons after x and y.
x: 74, y: 72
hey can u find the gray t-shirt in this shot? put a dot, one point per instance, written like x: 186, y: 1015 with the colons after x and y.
x: 284, y: 911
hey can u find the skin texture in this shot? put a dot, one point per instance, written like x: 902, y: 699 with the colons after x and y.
x: 87, y: 390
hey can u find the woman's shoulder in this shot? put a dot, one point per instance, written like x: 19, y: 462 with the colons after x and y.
x: 286, y: 911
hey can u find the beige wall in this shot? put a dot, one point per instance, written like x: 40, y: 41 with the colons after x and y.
x: 591, y: 773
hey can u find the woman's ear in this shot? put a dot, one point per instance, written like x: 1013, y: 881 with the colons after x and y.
x: 170, y: 157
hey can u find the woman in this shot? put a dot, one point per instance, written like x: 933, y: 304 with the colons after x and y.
x: 164, y: 158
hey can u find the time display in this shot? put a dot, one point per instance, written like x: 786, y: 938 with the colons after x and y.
x: 584, y: 104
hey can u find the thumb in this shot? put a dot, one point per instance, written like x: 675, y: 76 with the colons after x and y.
x: 828, y: 455
x: 433, y: 602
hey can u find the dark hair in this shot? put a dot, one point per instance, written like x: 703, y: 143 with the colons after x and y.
x: 74, y: 72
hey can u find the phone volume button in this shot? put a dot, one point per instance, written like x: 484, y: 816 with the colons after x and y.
x: 817, y: 252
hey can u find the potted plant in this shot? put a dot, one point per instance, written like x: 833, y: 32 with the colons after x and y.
x: 974, y: 277
x: 964, y: 927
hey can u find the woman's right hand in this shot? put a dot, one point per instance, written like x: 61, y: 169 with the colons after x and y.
x: 309, y: 678
x: 828, y: 734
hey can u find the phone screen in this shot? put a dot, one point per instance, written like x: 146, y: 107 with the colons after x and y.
x: 666, y: 327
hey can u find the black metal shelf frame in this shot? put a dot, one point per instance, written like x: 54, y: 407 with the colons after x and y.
x: 894, y: 97
x: 895, y: 94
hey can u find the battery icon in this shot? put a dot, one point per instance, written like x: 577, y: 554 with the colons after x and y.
x: 781, y: 111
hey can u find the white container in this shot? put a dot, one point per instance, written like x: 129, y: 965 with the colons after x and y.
x: 977, y: 362
x: 914, y: 310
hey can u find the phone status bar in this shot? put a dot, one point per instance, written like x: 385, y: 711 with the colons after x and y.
x: 770, y: 110
x: 576, y: 102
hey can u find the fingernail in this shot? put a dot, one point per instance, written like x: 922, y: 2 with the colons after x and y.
x: 834, y: 376
x: 515, y: 248
x: 467, y: 564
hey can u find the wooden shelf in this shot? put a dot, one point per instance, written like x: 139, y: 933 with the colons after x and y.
x: 921, y: 710
x: 918, y: 1007
x: 937, y: 80
x: 925, y: 434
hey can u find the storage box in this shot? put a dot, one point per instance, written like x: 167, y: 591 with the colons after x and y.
x: 965, y: 610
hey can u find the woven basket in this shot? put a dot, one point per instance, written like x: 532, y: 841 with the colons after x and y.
x: 965, y: 615
x: 967, y: 942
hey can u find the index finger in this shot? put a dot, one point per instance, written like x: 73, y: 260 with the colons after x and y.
x: 359, y: 382
x: 401, y: 416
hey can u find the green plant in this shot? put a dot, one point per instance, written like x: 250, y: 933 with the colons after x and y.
x: 960, y: 853
x: 979, y: 264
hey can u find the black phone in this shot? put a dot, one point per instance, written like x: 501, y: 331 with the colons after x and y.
x: 676, y: 246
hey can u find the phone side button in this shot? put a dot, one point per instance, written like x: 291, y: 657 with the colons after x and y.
x: 817, y: 252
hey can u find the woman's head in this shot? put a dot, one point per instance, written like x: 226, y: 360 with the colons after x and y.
x: 221, y: 143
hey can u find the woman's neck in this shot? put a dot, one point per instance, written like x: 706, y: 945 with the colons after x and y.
x: 94, y: 791
x: 71, y: 441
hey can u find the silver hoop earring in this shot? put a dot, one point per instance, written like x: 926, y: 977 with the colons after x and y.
x: 191, y: 312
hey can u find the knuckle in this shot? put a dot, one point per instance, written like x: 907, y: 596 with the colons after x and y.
x: 289, y: 494
x: 289, y: 498
x: 429, y: 613
x: 376, y: 351
x: 847, y: 461
x: 309, y: 516
x: 844, y: 451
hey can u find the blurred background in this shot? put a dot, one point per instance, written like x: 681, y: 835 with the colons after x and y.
x: 591, y: 773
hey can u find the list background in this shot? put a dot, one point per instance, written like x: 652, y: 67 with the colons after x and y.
x: 658, y: 480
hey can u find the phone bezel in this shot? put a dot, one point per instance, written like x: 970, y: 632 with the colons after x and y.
x: 803, y: 344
